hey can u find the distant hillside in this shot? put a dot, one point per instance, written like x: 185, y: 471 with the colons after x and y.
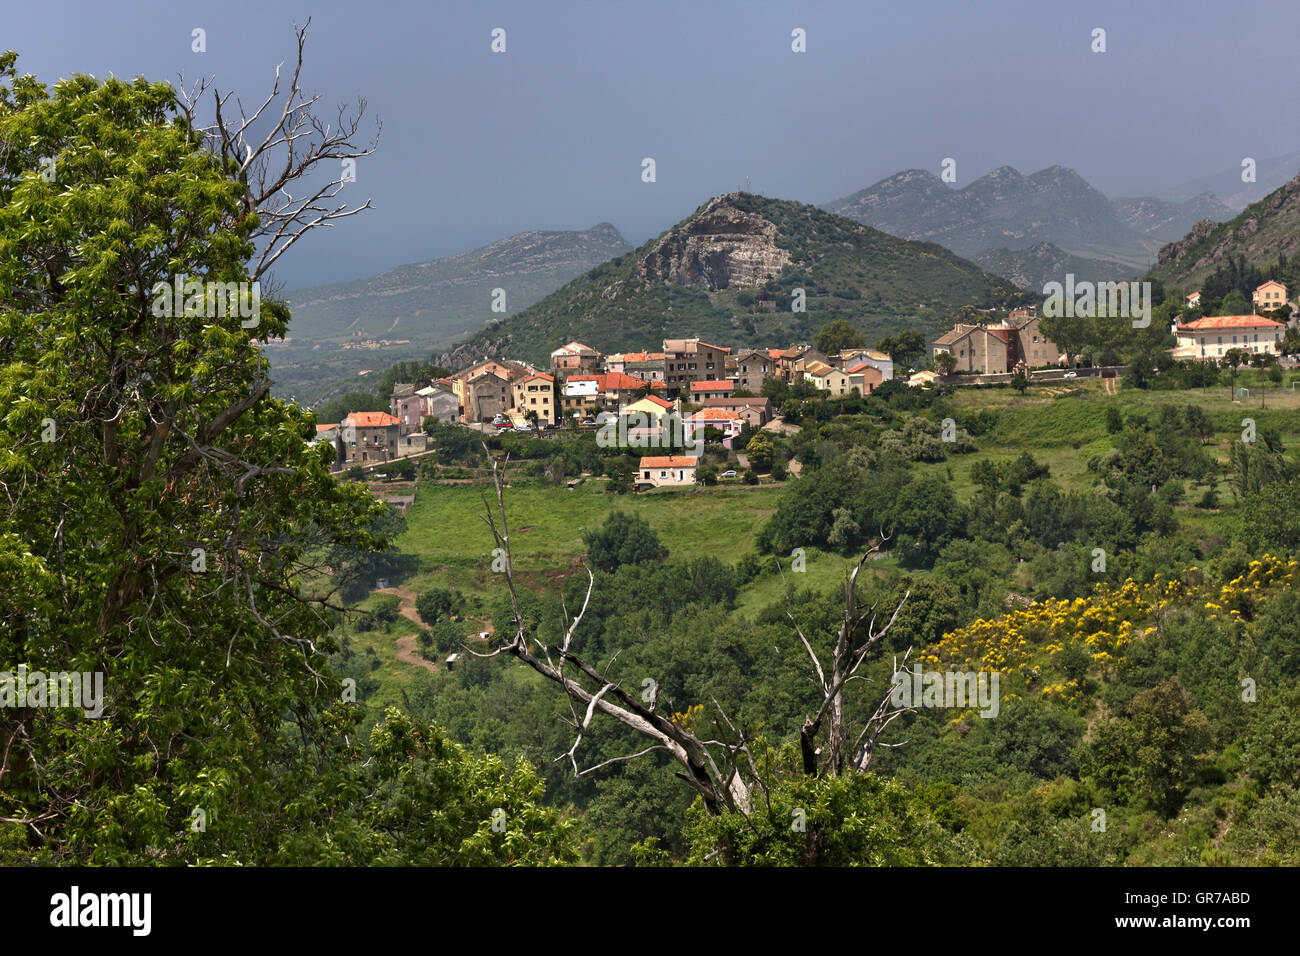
x: 1007, y: 210
x: 1270, y: 174
x: 1167, y: 221
x: 1034, y: 267
x: 1261, y: 233
x: 727, y: 273
x: 429, y: 304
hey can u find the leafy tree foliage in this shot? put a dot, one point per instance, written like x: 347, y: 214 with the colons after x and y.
x: 623, y: 539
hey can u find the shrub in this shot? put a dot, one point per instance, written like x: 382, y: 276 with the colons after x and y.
x: 387, y: 608
x: 434, y: 605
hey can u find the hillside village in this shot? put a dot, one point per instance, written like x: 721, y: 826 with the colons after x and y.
x: 690, y: 383
x: 719, y: 388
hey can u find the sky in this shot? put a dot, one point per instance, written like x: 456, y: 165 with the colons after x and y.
x: 551, y: 134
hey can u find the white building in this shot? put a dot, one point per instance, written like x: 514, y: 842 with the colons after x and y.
x: 1214, y: 335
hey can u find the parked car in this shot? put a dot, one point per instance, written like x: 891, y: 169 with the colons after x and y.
x: 1070, y: 375
x: 729, y: 473
x: 525, y: 427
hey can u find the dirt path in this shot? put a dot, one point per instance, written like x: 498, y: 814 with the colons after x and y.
x: 405, y: 645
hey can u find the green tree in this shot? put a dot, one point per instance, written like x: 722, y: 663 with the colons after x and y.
x: 623, y: 539
x: 175, y: 509
x: 759, y: 452
x: 1150, y: 757
x: 945, y: 363
x: 837, y: 335
x: 1235, y: 303
x: 857, y: 820
x: 906, y: 348
x: 434, y: 605
x: 1233, y: 358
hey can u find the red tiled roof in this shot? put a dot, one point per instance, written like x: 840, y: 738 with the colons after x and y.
x: 1229, y: 322
x: 669, y: 461
x: 617, y: 382
x: 539, y: 375
x: 371, y: 419
x: 325, y: 428
x: 720, y: 348
x: 663, y: 403
x: 717, y: 414
x: 714, y: 385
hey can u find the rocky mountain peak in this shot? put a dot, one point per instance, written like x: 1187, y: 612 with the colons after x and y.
x: 720, y: 246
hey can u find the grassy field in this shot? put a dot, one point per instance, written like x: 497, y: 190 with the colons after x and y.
x: 1061, y: 428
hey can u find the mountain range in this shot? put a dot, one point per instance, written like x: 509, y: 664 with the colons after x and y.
x: 1270, y: 174
x: 730, y: 273
x: 410, y: 311
x: 1004, y: 213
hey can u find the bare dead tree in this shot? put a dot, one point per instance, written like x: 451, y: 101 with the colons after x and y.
x: 297, y: 144
x: 723, y: 771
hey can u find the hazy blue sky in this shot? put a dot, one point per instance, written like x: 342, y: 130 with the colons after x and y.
x: 550, y: 135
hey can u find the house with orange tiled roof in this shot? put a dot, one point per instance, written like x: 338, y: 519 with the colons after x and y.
x: 1214, y: 335
x: 658, y: 471
x: 588, y: 393
x: 647, y: 366
x: 724, y: 420
x: 791, y: 362
x: 534, y: 393
x: 715, y: 388
x: 1269, y: 296
x: 369, y: 437
x: 756, y: 411
x: 827, y: 378
x: 652, y: 405
x: 864, y: 377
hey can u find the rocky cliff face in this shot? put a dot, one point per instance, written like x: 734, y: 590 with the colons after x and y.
x: 1260, y: 234
x: 1175, y: 251
x: 720, y: 247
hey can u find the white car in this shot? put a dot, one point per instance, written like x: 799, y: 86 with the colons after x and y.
x: 729, y: 473
x: 1070, y: 375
